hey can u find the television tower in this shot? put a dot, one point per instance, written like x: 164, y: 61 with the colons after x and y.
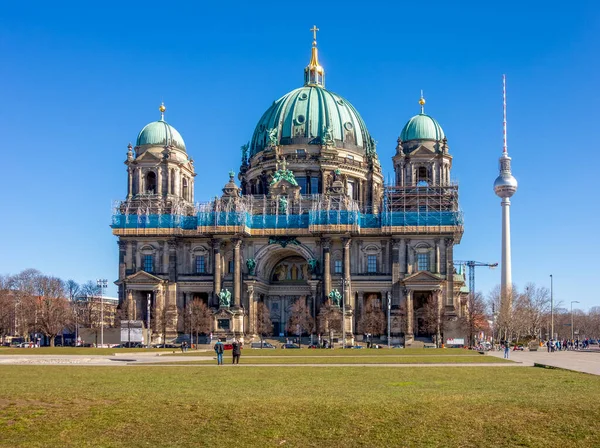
x: 505, y: 186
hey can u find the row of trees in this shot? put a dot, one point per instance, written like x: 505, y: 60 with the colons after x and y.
x: 31, y: 302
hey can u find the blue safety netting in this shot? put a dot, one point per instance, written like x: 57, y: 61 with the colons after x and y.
x: 323, y: 217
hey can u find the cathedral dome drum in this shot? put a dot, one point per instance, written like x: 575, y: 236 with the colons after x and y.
x: 160, y: 133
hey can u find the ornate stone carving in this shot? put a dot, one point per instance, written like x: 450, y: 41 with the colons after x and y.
x: 283, y: 241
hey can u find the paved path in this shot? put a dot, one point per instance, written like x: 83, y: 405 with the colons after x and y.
x: 580, y: 361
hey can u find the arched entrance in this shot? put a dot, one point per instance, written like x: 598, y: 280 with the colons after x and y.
x: 287, y: 285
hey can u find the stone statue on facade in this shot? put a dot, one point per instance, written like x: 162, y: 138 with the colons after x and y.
x: 272, y: 135
x: 313, y: 265
x: 335, y: 297
x: 251, y: 265
x: 283, y: 205
x: 245, y: 153
x: 224, y: 298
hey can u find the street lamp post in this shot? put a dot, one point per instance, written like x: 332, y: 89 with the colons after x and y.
x: 343, y: 283
x: 148, y: 331
x: 389, y: 316
x: 551, y: 309
x: 102, y: 283
x: 572, y: 328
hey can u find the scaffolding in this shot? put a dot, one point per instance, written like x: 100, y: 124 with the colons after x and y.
x: 414, y: 209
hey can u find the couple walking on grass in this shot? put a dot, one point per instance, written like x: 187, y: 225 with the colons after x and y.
x: 236, y: 348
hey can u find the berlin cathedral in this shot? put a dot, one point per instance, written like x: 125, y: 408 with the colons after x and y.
x: 308, y: 218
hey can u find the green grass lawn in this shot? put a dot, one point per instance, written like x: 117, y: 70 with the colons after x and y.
x: 59, y: 406
x: 349, y: 359
x: 326, y: 353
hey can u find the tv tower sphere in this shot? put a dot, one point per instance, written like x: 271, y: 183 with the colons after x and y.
x: 505, y: 184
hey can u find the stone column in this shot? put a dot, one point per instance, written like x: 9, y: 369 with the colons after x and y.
x: 396, y: 268
x: 216, y: 243
x: 237, y: 274
x: 442, y: 253
x: 159, y: 180
x: 140, y: 186
x: 409, y: 316
x: 410, y: 268
x: 326, y: 267
x: 347, y: 242
x: 402, y: 256
x: 251, y: 311
x: 130, y: 305
x: 122, y: 255
x: 450, y: 272
x: 129, y: 182
x: 437, y: 256
x: 172, y: 260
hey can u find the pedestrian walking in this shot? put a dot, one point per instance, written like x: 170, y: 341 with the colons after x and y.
x: 506, y: 349
x: 237, y: 352
x: 219, y: 352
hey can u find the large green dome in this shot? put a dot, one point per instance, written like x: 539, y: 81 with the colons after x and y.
x: 310, y: 115
x: 422, y: 127
x: 160, y: 133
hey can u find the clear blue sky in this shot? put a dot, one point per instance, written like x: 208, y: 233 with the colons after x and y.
x: 80, y: 81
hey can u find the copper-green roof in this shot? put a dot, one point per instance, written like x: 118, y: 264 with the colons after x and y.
x: 311, y: 115
x: 160, y: 133
x: 422, y: 127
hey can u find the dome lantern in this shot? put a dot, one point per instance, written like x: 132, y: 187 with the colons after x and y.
x: 314, y: 73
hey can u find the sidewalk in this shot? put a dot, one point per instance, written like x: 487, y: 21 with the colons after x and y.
x: 579, y: 361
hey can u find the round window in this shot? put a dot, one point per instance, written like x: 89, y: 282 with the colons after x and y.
x: 340, y: 102
x: 348, y: 126
x: 300, y: 119
x: 303, y: 96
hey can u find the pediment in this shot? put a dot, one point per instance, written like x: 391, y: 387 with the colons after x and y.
x: 422, y: 277
x: 143, y: 277
x: 422, y: 151
x: 149, y: 156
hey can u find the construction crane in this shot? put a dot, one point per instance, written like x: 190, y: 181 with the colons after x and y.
x: 472, y: 265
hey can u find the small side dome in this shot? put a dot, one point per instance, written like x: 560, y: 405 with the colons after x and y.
x: 160, y: 133
x: 422, y: 127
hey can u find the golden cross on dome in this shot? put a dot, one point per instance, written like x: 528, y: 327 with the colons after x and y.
x: 314, y: 29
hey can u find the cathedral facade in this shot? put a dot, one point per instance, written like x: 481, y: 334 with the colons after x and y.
x: 309, y: 218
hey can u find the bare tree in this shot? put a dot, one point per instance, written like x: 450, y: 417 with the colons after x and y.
x: 7, y: 308
x: 475, y: 317
x: 330, y: 320
x: 88, y: 307
x: 372, y: 320
x: 200, y: 317
x: 432, y: 322
x: 52, y: 312
x: 300, y: 320
x: 23, y: 286
x: 264, y: 325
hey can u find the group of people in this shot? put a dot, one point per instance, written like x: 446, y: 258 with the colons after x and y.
x: 567, y: 344
x: 236, y: 351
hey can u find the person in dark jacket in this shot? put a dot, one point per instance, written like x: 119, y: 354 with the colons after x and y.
x: 219, y: 352
x: 237, y: 351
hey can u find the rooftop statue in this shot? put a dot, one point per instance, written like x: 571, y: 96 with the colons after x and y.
x: 272, y: 133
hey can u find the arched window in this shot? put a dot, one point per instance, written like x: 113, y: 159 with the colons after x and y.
x: 151, y: 182
x: 422, y: 176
